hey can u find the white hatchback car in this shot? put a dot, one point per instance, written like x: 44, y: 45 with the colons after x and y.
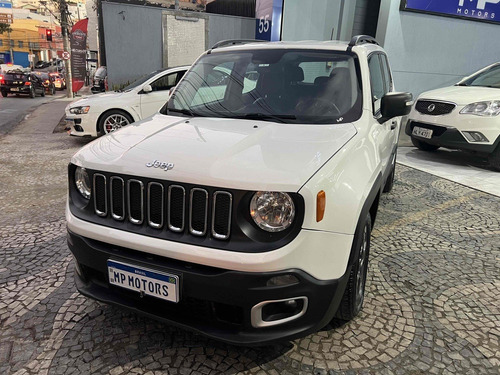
x: 104, y: 113
x: 463, y: 117
x: 243, y: 209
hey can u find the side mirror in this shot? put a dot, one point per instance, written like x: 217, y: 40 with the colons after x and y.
x: 147, y: 89
x: 171, y: 91
x: 395, y: 104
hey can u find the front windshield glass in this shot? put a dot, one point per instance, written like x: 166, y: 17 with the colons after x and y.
x: 140, y: 81
x: 488, y: 78
x: 292, y: 86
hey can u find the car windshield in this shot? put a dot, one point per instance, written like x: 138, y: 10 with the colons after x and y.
x: 488, y: 78
x: 140, y: 81
x: 281, y: 85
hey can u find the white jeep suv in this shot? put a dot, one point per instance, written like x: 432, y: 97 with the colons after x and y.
x: 243, y: 210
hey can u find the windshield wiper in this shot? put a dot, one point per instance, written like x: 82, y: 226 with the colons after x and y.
x: 267, y: 117
x: 187, y: 112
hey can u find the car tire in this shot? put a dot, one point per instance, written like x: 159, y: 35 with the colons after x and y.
x: 390, y: 180
x: 424, y: 146
x: 494, y: 159
x: 352, y: 300
x: 113, y: 120
x: 4, y: 94
x: 32, y: 93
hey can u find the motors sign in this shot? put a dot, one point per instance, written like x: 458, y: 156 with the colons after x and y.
x: 478, y: 10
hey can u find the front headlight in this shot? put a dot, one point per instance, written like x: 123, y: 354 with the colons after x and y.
x: 482, y: 109
x: 79, y: 110
x: 272, y: 211
x: 82, y: 182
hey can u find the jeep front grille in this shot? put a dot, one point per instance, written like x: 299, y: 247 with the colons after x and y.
x: 434, y: 108
x: 164, y: 206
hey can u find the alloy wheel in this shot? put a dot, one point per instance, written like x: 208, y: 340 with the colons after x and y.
x: 114, y: 122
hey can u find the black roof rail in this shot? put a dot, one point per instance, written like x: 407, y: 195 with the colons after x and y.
x: 361, y: 39
x: 232, y: 42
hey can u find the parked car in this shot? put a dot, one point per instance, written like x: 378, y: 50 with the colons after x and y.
x: 4, y: 68
x: 48, y: 82
x: 100, y: 81
x: 104, y: 113
x: 59, y: 80
x: 464, y: 117
x: 42, y: 64
x: 18, y: 82
x: 252, y: 203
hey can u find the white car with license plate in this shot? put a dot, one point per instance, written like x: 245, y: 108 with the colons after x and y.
x: 463, y: 117
x: 104, y: 113
x: 243, y: 210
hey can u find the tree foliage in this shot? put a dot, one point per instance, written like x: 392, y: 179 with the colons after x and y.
x: 5, y: 28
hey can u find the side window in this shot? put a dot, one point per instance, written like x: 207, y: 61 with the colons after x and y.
x: 377, y: 82
x: 251, y: 78
x: 165, y: 82
x: 387, y: 74
x: 213, y: 88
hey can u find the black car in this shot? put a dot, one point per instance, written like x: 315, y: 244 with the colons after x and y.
x: 42, y: 64
x: 100, y: 80
x: 48, y: 82
x: 18, y: 82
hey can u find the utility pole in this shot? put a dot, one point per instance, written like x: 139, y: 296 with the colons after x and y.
x: 63, y: 9
x: 10, y: 47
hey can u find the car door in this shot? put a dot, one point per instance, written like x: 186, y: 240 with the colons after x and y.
x: 152, y: 102
x: 384, y: 134
x: 35, y: 83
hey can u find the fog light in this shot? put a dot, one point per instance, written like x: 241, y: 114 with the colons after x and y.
x: 272, y: 313
x: 475, y: 137
x: 282, y: 280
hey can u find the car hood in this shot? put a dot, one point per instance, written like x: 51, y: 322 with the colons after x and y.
x: 98, y: 98
x: 230, y: 153
x: 462, y: 95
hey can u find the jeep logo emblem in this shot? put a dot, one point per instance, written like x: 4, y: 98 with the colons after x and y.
x: 158, y: 164
x: 431, y: 108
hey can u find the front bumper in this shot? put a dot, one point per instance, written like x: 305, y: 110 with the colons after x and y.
x: 450, y: 137
x: 214, y: 301
x: 82, y: 125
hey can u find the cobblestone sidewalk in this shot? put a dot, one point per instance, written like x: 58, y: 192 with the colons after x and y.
x: 432, y: 305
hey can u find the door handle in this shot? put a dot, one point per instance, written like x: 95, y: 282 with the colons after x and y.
x: 394, y: 124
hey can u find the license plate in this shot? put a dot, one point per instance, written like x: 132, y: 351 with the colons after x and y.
x: 14, y: 89
x: 145, y: 281
x: 422, y: 132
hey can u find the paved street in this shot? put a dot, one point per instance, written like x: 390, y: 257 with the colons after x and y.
x: 14, y: 108
x: 432, y: 304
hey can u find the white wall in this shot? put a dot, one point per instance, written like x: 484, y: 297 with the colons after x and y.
x: 428, y: 52
x: 311, y: 20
